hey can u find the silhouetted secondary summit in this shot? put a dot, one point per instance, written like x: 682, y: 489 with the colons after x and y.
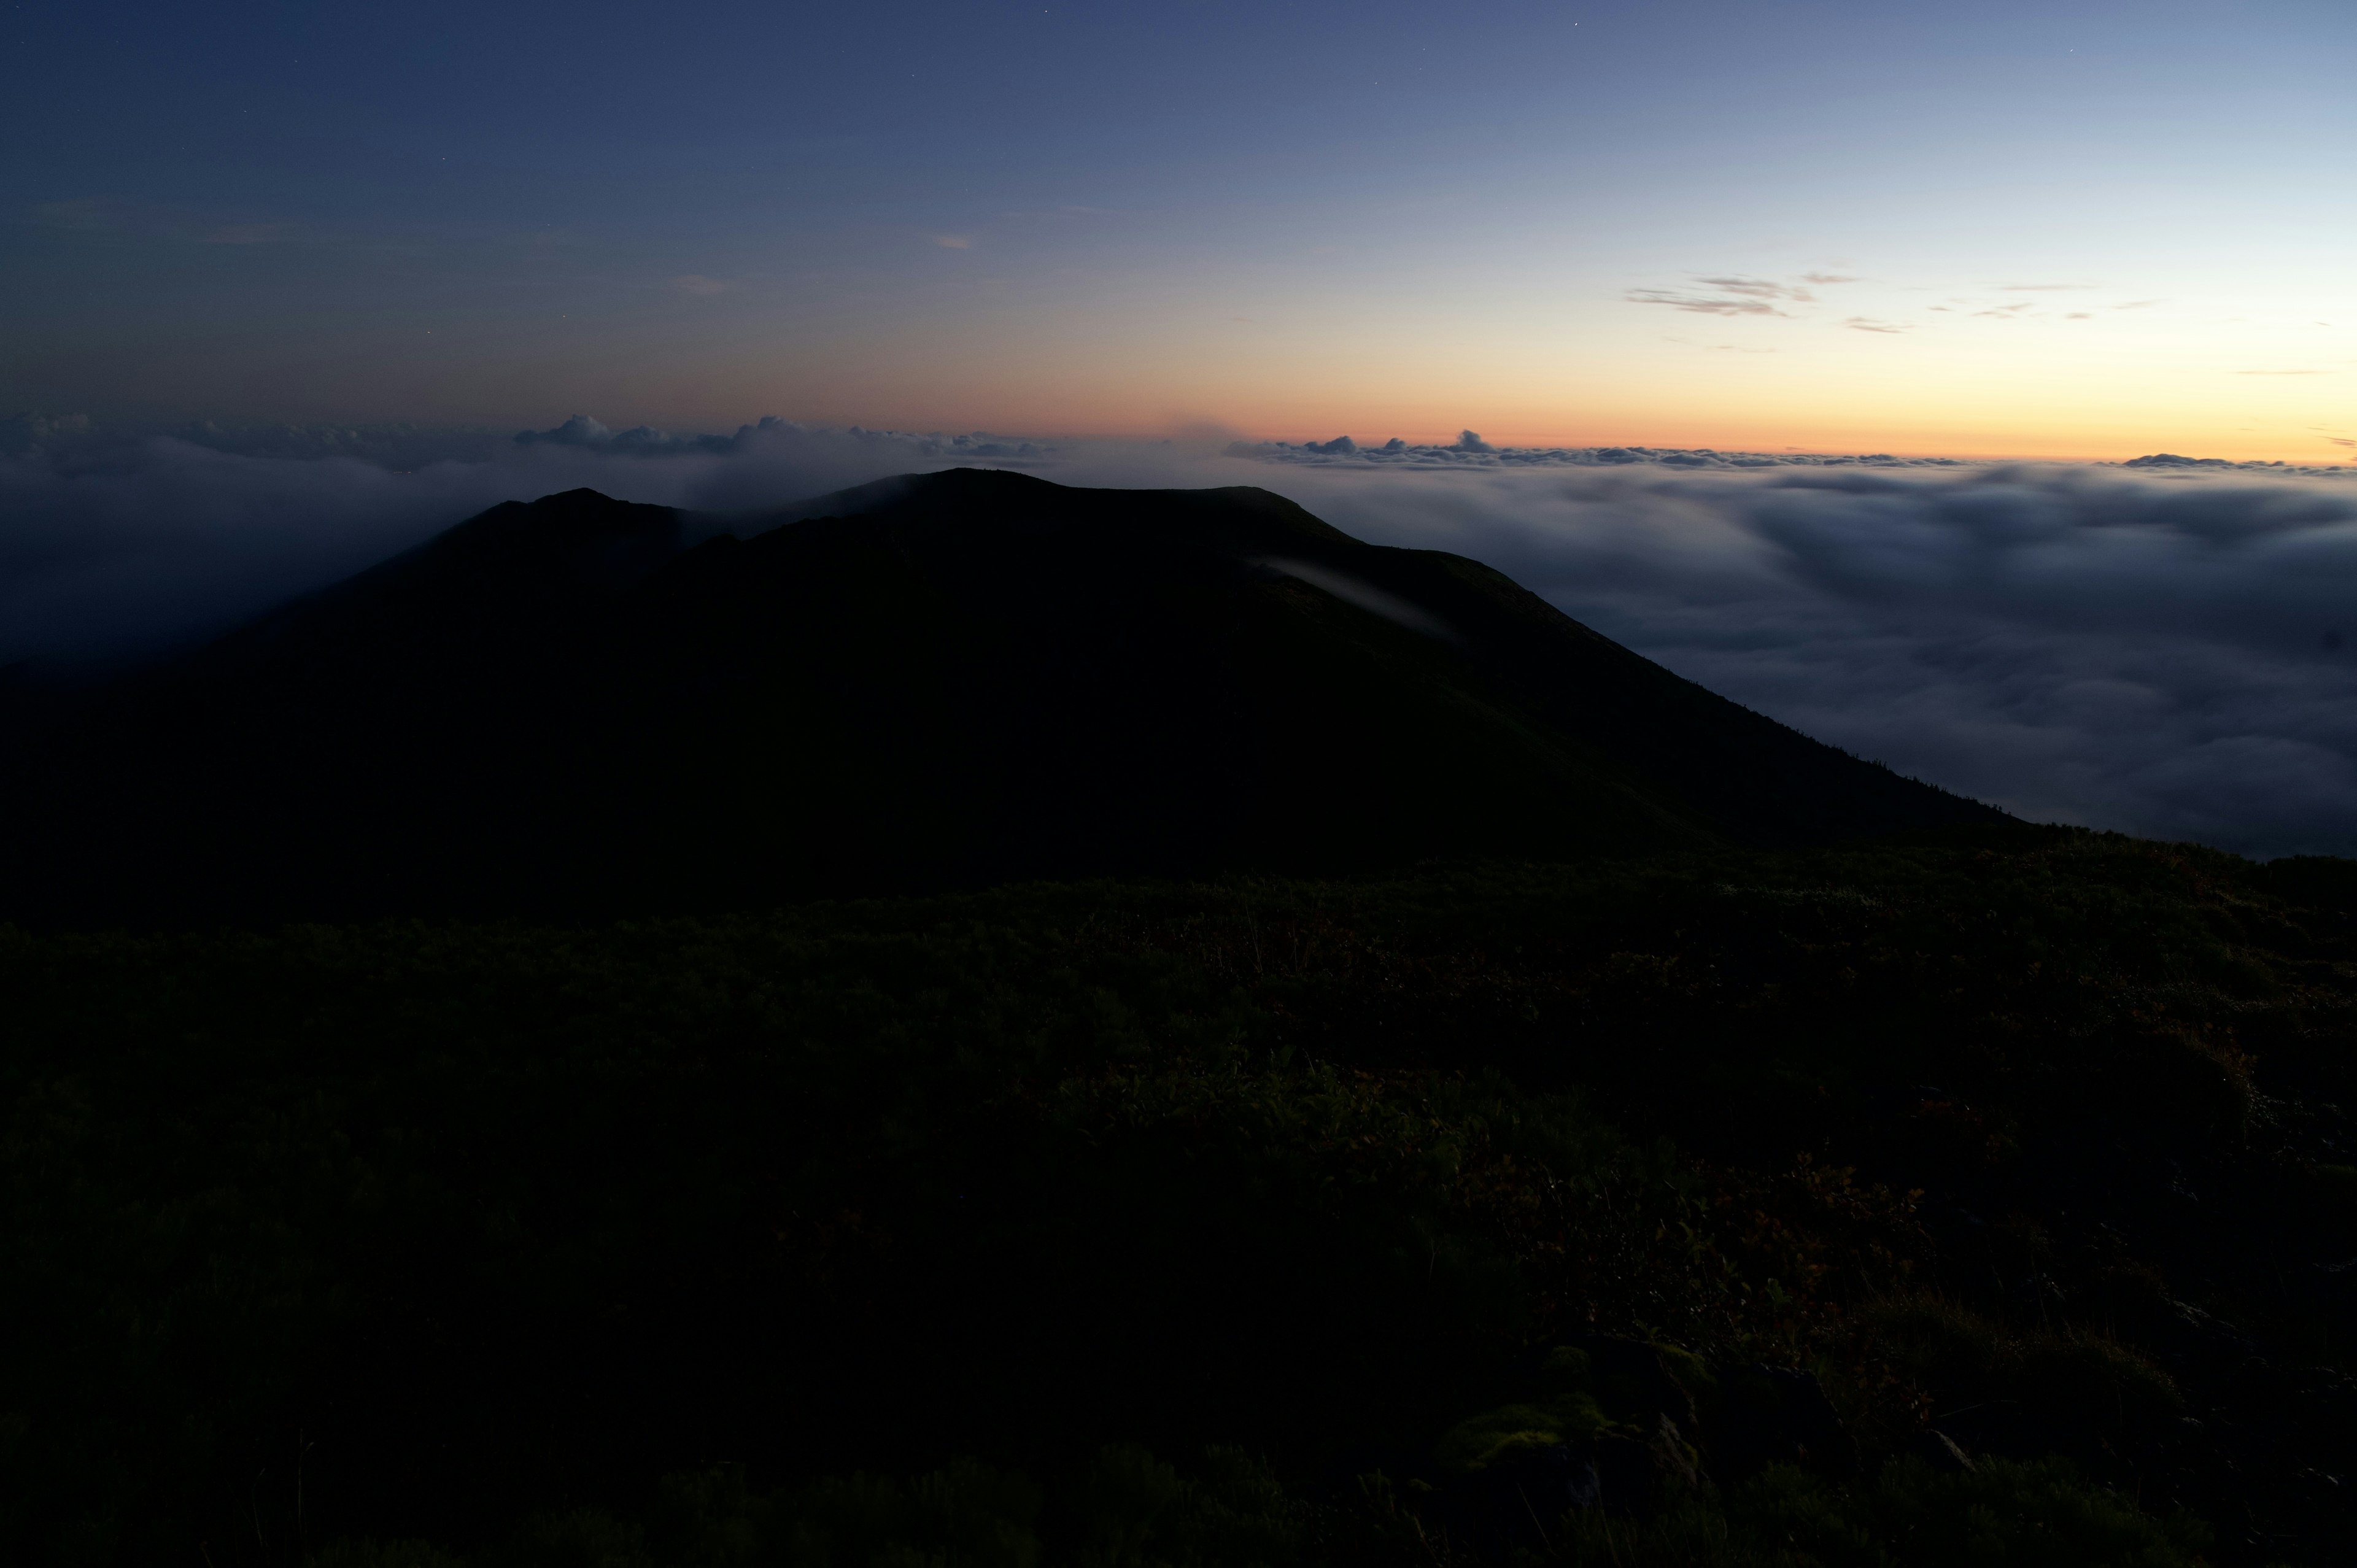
x: 944, y: 680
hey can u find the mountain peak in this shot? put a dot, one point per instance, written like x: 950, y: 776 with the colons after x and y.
x: 988, y: 503
x: 569, y: 519
x: 945, y: 679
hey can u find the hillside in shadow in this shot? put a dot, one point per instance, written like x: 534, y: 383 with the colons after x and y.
x: 942, y: 680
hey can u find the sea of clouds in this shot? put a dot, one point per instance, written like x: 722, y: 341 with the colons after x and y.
x: 2166, y: 648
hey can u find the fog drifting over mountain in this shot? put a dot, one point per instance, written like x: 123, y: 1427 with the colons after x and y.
x: 2167, y: 649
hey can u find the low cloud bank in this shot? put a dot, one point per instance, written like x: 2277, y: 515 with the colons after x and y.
x: 2167, y: 647
x: 771, y: 437
x: 1469, y: 451
x: 2174, y: 657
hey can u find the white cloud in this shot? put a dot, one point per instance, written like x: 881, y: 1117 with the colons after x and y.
x: 2168, y: 656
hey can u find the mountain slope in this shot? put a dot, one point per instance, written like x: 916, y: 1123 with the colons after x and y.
x: 955, y: 678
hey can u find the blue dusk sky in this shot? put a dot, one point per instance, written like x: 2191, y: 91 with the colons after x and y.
x: 2090, y: 229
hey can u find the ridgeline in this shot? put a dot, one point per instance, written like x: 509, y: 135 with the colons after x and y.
x: 952, y: 680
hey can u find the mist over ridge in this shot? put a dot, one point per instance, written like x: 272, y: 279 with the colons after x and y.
x: 2158, y: 647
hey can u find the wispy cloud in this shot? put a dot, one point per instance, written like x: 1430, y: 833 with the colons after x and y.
x: 1731, y: 297
x: 1826, y: 280
x: 1758, y: 289
x: 1867, y: 324
x: 953, y: 242
x: 2041, y: 287
x: 1703, y: 305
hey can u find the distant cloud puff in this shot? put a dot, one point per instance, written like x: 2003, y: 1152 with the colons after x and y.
x: 2171, y: 460
x: 24, y: 434
x: 643, y: 439
x: 953, y: 242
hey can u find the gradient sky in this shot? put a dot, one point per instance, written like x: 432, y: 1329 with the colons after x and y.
x: 2075, y: 230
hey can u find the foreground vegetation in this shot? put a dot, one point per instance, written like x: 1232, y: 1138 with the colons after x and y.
x: 1647, y: 1212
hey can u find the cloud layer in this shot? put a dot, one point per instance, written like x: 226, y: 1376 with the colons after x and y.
x: 2174, y: 657
x: 2167, y: 647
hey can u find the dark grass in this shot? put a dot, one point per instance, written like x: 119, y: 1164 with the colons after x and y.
x: 456, y: 1234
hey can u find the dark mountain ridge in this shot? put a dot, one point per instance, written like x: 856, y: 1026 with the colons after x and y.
x: 950, y: 679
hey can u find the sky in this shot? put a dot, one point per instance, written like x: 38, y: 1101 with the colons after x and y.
x: 2088, y: 229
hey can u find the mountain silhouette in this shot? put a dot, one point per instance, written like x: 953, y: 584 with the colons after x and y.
x: 943, y: 679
